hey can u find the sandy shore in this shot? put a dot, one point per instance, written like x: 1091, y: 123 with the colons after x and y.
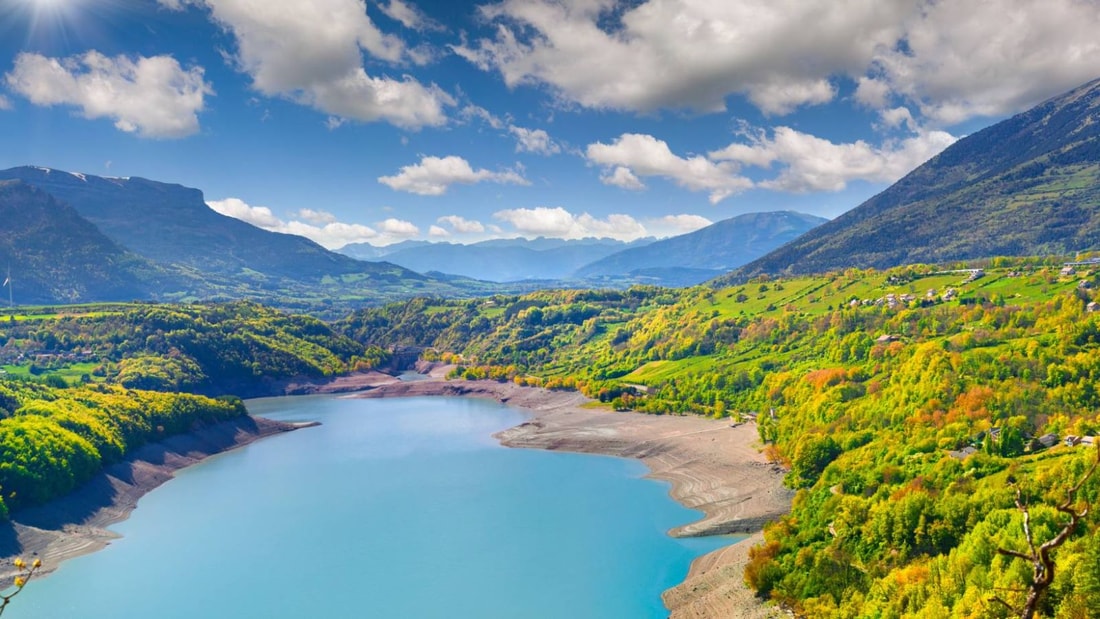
x: 712, y: 467
x: 76, y: 524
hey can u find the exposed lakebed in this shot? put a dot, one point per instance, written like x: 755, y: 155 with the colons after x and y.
x: 391, y: 508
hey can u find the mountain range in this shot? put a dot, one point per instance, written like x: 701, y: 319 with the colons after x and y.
x: 496, y: 260
x: 695, y: 257
x: 133, y: 238
x: 1028, y: 185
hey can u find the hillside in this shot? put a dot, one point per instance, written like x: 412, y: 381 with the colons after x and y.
x: 209, y: 256
x: 56, y: 255
x: 498, y: 260
x: 1029, y: 185
x: 172, y: 224
x: 907, y: 406
x: 710, y: 251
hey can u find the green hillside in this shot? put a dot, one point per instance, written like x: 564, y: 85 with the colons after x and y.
x: 901, y: 402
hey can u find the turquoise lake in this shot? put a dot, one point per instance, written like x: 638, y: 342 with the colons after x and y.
x: 391, y: 508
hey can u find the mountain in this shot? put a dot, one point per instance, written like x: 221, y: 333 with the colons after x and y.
x: 366, y: 251
x: 57, y: 255
x: 695, y: 257
x: 1028, y: 185
x: 171, y: 224
x: 497, y: 260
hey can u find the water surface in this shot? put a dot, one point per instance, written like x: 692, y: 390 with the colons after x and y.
x: 392, y: 508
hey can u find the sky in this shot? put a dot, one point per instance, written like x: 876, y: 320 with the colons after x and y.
x: 445, y: 120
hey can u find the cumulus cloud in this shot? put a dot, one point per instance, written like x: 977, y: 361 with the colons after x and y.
x: 433, y: 175
x: 316, y: 217
x: 559, y: 223
x: 311, y: 53
x: 533, y: 141
x: 437, y: 232
x: 950, y: 59
x: 153, y: 97
x: 810, y: 163
x: 5, y: 103
x: 685, y: 53
x: 319, y: 226
x: 966, y: 58
x: 680, y: 224
x: 644, y: 155
x: 461, y: 224
x: 259, y: 216
x: 622, y: 177
x: 398, y: 228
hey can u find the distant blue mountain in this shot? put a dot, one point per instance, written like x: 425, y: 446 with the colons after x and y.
x: 497, y: 260
x: 695, y: 257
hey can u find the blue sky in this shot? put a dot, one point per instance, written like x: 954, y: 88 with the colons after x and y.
x: 378, y: 121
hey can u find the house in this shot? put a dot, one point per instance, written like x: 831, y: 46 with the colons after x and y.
x: 963, y: 453
x: 1084, y: 284
x: 1093, y: 306
x: 950, y: 294
x: 886, y: 339
x: 1048, y: 440
x: 1072, y: 440
x: 1068, y: 271
x: 1087, y: 441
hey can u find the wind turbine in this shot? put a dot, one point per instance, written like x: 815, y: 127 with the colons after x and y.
x: 7, y: 282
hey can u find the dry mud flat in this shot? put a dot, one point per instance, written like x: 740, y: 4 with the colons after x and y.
x: 712, y: 466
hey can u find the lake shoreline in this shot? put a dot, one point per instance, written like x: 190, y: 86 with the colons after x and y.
x: 713, y: 466
x: 76, y: 524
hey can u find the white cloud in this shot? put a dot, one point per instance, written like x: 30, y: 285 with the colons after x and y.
x: 951, y: 59
x: 311, y: 53
x: 622, y: 177
x: 316, y: 217
x: 408, y: 15
x: 645, y: 155
x: 782, y: 96
x: 477, y: 112
x: 437, y: 232
x: 398, y: 228
x: 461, y: 224
x: 320, y: 227
x: 153, y: 97
x: 966, y: 58
x: 259, y: 216
x: 433, y: 175
x: 5, y: 103
x: 811, y: 163
x: 897, y: 116
x: 873, y: 93
x: 685, y: 53
x: 680, y: 224
x: 534, y: 141
x: 560, y: 223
